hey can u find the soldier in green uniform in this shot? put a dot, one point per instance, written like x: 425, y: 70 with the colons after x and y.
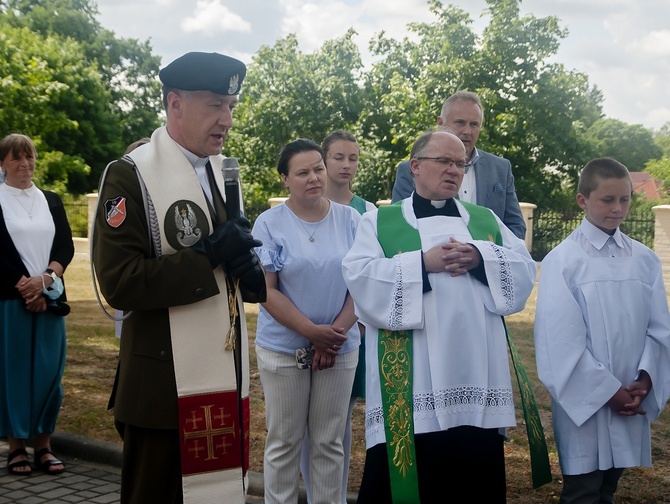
x: 166, y: 249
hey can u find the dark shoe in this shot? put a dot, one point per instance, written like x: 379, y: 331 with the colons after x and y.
x: 12, y: 466
x: 49, y: 463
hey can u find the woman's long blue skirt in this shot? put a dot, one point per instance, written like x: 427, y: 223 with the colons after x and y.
x: 32, y: 360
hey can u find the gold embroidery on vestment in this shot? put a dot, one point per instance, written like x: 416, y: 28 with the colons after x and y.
x: 208, y: 432
x: 395, y: 369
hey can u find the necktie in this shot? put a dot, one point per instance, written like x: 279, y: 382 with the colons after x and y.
x: 219, y: 205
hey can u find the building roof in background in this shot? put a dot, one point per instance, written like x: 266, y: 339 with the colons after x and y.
x: 644, y: 184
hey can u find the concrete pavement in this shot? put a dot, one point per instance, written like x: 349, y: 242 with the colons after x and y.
x: 92, y: 475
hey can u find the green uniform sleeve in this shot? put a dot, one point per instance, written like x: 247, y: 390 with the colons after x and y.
x: 130, y: 276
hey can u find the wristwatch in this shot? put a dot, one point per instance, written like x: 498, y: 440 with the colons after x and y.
x: 52, y: 274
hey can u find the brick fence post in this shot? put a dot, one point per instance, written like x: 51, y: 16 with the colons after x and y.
x: 92, y: 200
x: 527, y: 212
x: 662, y: 239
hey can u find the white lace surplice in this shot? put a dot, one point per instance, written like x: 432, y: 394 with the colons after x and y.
x: 461, y: 374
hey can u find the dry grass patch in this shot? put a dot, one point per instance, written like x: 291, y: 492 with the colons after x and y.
x: 91, y: 365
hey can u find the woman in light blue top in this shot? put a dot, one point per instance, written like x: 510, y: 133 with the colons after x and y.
x: 342, y: 153
x: 307, y: 338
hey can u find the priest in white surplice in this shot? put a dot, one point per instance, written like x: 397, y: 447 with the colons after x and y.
x: 430, y: 285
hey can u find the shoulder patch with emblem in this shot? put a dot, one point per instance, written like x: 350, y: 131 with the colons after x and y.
x: 115, y: 211
x: 185, y: 223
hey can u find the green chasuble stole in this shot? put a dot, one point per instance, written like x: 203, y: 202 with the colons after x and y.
x: 395, y: 365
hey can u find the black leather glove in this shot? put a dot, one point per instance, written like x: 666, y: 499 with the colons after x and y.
x: 251, y: 274
x: 228, y: 242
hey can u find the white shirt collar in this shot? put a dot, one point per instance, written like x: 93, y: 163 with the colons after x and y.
x: 196, y: 162
x: 17, y: 192
x: 597, y: 237
x: 473, y: 159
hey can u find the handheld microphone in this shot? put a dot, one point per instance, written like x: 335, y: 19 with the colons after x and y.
x: 231, y: 183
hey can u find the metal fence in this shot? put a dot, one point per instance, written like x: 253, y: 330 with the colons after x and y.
x: 551, y: 227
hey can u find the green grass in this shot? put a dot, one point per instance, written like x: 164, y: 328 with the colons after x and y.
x: 91, y: 365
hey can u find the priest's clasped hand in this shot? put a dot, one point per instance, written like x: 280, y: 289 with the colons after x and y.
x: 454, y: 257
x: 460, y: 257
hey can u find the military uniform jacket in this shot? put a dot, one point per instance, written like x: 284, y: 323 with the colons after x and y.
x: 131, y: 277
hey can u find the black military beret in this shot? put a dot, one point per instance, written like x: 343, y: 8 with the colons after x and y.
x: 200, y: 71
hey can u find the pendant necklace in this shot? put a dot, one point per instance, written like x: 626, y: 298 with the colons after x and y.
x: 311, y: 235
x: 32, y: 204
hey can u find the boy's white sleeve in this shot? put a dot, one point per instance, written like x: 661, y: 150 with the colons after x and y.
x: 656, y: 355
x: 575, y: 379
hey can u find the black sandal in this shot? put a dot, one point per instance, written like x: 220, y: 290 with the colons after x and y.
x: 12, y: 466
x: 49, y: 463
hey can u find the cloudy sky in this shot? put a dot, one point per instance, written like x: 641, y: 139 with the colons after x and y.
x: 622, y: 45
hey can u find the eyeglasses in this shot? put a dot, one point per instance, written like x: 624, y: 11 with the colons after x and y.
x: 446, y: 161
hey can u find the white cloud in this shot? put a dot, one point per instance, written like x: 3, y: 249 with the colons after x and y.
x: 313, y: 22
x: 622, y: 45
x: 655, y: 44
x: 657, y: 116
x: 211, y: 17
x: 565, y: 9
x: 405, y: 9
x: 392, y: 16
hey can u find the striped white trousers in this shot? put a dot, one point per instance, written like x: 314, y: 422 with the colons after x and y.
x: 296, y: 400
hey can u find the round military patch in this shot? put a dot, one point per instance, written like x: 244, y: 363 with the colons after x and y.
x: 185, y: 223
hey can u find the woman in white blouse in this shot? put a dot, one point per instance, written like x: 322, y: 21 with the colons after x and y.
x: 35, y: 248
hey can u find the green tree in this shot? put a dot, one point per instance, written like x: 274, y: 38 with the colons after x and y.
x: 633, y: 145
x: 50, y: 94
x: 405, y: 89
x: 660, y: 170
x: 289, y: 94
x: 535, y: 112
x: 662, y: 139
x: 102, y: 121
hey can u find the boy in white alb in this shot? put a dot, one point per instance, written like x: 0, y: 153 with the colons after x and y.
x: 602, y: 340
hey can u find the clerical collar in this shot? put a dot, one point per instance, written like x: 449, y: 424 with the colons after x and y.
x: 196, y: 162
x: 428, y: 208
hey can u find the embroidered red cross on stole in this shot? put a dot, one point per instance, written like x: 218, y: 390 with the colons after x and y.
x: 209, y: 431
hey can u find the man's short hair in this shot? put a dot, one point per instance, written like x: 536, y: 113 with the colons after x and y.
x: 600, y: 169
x: 462, y: 96
x: 421, y: 142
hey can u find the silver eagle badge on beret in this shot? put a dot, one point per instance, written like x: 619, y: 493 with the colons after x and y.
x: 234, y: 84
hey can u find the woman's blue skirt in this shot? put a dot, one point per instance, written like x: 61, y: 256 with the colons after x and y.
x: 32, y: 360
